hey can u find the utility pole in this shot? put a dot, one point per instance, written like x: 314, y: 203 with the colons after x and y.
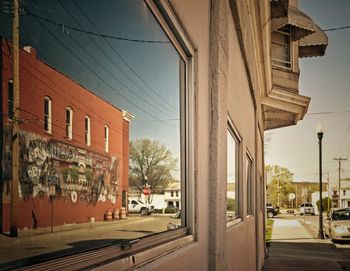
x: 15, y: 128
x: 339, y: 168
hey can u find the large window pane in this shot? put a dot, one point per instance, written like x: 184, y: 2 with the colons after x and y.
x: 232, y: 176
x: 111, y: 170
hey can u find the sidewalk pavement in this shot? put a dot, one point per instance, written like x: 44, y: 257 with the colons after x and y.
x: 294, y: 247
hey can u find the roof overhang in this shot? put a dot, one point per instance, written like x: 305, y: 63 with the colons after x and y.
x: 302, y: 25
x: 283, y: 108
x: 314, y: 44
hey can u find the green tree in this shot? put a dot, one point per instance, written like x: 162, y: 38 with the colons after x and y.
x: 326, y: 204
x: 279, y: 185
x: 152, y: 163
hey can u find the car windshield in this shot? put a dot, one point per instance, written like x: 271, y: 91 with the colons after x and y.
x: 341, y: 215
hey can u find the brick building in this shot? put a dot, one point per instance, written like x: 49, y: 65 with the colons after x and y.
x: 73, y: 145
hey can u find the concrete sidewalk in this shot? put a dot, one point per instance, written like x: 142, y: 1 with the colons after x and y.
x: 294, y: 247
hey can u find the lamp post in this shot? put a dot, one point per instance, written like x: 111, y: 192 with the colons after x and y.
x: 319, y: 130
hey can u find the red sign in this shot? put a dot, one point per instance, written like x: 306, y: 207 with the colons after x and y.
x: 146, y: 190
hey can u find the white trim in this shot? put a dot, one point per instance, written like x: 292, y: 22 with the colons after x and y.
x: 87, y: 127
x: 69, y: 125
x: 106, y: 138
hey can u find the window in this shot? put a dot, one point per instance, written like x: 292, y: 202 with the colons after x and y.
x: 87, y: 131
x: 69, y: 123
x: 10, y: 99
x: 281, y: 47
x: 93, y: 87
x: 232, y: 204
x: 106, y: 138
x: 47, y: 115
x: 250, y: 184
x: 177, y: 193
x: 172, y: 194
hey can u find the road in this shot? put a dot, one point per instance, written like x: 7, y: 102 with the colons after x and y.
x: 70, y: 239
x: 311, y: 223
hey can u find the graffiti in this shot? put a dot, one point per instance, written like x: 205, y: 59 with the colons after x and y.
x: 75, y: 173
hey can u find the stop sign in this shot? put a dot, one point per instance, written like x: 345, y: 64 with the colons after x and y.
x: 146, y: 190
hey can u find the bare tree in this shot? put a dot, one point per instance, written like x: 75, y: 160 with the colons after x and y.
x: 151, y: 163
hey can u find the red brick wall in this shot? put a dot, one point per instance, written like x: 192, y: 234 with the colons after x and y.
x: 38, y: 80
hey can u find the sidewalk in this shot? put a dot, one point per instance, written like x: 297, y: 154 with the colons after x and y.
x: 293, y: 247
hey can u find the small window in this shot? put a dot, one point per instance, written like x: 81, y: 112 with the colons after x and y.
x: 172, y: 194
x: 87, y: 131
x: 250, y: 184
x: 281, y: 47
x: 47, y: 115
x: 344, y: 192
x: 69, y: 123
x: 232, y: 204
x: 106, y: 138
x: 177, y: 193
x: 10, y: 99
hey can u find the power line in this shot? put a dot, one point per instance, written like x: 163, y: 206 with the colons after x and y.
x: 61, y: 25
x: 98, y: 76
x: 103, y: 66
x: 123, y: 59
x: 336, y: 28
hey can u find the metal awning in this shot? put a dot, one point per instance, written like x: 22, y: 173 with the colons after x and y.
x: 314, y: 44
x: 302, y: 24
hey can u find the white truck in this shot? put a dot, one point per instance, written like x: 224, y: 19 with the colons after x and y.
x: 137, y: 206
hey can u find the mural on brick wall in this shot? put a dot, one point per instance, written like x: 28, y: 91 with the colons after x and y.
x: 50, y: 167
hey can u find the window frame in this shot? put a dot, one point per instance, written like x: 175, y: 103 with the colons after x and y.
x: 152, y: 247
x: 87, y: 126
x: 106, y: 138
x: 10, y: 111
x: 48, y: 115
x: 288, y: 64
x: 69, y: 125
x: 250, y: 191
x: 238, y: 158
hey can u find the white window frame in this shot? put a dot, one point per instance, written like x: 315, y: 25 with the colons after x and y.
x: 238, y: 182
x: 48, y: 115
x: 106, y: 138
x: 87, y: 127
x: 69, y: 123
x: 141, y: 251
x: 281, y: 63
x: 250, y: 192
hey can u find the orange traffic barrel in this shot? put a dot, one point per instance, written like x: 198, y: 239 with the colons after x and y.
x: 108, y: 215
x: 123, y: 213
x: 116, y: 214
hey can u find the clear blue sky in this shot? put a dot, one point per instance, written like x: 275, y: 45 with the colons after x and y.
x: 327, y: 81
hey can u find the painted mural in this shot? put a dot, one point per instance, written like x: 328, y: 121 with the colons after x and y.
x: 53, y: 168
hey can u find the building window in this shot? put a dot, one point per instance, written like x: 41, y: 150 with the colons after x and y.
x: 177, y: 193
x: 10, y: 99
x: 87, y: 131
x: 250, y: 184
x: 69, y: 123
x: 281, y: 47
x: 344, y: 192
x: 106, y: 136
x: 172, y: 194
x: 232, y: 203
x: 47, y: 115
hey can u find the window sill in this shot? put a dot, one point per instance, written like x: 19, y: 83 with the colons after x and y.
x: 233, y: 222
x: 124, y: 256
x: 48, y: 132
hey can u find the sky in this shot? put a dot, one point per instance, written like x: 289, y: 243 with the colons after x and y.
x: 140, y: 75
x: 327, y: 81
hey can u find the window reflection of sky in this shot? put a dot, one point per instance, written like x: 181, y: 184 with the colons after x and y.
x: 139, y: 77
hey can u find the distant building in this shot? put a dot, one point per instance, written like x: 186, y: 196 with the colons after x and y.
x: 73, y: 146
x: 172, y: 195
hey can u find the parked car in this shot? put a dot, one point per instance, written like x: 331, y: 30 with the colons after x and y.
x: 137, y: 206
x: 271, y: 211
x: 306, y: 208
x: 337, y: 224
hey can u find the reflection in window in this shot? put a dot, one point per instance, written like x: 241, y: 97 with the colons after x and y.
x: 69, y: 123
x: 281, y: 47
x: 87, y: 131
x: 106, y: 132
x: 250, y: 184
x: 47, y: 115
x: 232, y: 175
x: 119, y: 69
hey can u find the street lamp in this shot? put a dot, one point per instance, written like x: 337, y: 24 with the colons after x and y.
x: 319, y: 130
